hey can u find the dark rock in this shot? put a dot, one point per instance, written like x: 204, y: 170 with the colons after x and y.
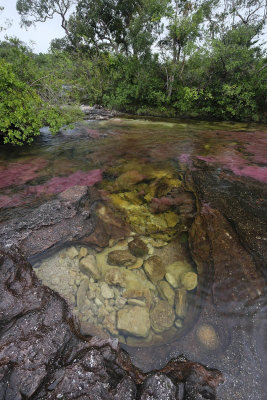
x: 137, y: 247
x: 159, y: 387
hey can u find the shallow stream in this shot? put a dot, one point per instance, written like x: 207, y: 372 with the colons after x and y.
x: 144, y: 286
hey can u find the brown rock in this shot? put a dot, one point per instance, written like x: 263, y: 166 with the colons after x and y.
x: 162, y: 316
x: 154, y: 268
x: 138, y: 248
x: 121, y: 258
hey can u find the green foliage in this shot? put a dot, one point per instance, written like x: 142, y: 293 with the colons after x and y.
x: 202, y: 59
x: 22, y: 110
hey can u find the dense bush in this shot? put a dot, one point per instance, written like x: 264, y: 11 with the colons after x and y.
x: 22, y: 110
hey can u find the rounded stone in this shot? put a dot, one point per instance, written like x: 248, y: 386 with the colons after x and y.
x: 189, y: 280
x: 72, y: 252
x: 154, y: 268
x: 121, y: 258
x: 162, y: 316
x: 137, y: 247
x: 208, y: 336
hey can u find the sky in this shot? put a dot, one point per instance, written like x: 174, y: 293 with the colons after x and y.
x: 41, y: 34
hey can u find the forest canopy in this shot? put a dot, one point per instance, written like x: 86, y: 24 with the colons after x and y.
x: 204, y: 59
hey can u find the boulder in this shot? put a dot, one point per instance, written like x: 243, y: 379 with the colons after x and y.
x: 121, y: 258
x: 154, y: 268
x: 137, y: 247
x: 134, y: 320
x: 159, y: 387
x: 162, y: 316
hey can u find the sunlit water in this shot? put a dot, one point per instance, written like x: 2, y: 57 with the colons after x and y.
x: 143, y: 289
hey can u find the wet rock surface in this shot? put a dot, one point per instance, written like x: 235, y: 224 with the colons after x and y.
x: 43, y: 355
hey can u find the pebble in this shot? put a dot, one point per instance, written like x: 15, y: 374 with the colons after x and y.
x: 72, y: 252
x: 106, y: 291
x: 98, y: 302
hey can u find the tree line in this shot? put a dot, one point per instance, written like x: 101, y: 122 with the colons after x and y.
x: 202, y: 59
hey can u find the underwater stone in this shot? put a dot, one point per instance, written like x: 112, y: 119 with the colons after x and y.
x: 162, y: 316
x: 189, y: 280
x: 121, y: 258
x: 134, y: 320
x: 179, y: 323
x: 138, y: 264
x: 128, y: 179
x: 115, y: 276
x: 83, y: 252
x: 106, y: 291
x: 175, y: 272
x: 154, y: 268
x: 88, y: 267
x: 136, y: 302
x: 81, y: 293
x: 109, y: 323
x: 180, y: 303
x: 72, y: 252
x: 166, y: 292
x: 138, y: 248
x: 98, y: 302
x: 208, y: 336
x: 141, y: 294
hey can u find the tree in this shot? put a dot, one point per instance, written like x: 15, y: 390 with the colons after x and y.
x: 32, y: 11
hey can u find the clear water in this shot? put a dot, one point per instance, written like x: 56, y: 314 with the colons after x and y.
x: 131, y: 162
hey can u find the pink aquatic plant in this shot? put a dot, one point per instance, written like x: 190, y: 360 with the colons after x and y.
x: 53, y: 186
x: 238, y: 165
x: 60, y: 183
x: 20, y: 172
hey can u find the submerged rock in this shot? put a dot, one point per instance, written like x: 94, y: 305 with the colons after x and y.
x: 88, y: 266
x: 176, y: 271
x: 62, y: 363
x: 208, y: 336
x: 154, y: 268
x: 166, y: 292
x: 162, y: 316
x: 121, y: 257
x: 72, y: 252
x: 180, y: 303
x: 134, y: 320
x: 137, y: 247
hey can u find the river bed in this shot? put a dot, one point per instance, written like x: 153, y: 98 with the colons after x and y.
x: 143, y: 277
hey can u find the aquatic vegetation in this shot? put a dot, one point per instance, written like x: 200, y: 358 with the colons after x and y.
x: 21, y: 171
